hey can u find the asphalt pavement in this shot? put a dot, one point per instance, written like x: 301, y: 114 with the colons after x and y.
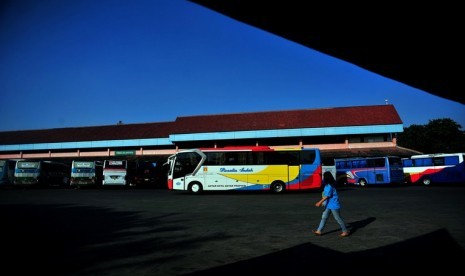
x: 160, y: 232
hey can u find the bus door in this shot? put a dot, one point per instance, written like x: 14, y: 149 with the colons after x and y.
x: 395, y: 170
x: 297, y: 172
x: 183, y: 163
x: 380, y: 173
x: 293, y: 172
x: 170, y: 164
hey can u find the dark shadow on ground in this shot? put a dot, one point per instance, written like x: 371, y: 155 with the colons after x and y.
x: 353, y: 227
x: 436, y: 251
x: 65, y: 239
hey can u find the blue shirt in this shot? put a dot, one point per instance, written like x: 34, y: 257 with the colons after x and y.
x: 332, y: 202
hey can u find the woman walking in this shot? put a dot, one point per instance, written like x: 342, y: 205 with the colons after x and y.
x: 330, y: 200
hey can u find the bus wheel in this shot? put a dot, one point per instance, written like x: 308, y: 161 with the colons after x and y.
x: 277, y: 187
x: 195, y: 188
x: 426, y: 181
x: 363, y: 182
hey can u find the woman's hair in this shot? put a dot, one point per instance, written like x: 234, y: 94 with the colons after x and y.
x: 328, y: 178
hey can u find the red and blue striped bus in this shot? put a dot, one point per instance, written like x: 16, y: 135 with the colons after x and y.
x: 364, y: 171
x: 427, y: 169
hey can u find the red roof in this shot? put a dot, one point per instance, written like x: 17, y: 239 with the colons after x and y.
x: 305, y: 118
x: 291, y: 119
x: 95, y: 133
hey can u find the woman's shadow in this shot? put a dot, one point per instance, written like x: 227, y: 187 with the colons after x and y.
x: 354, y: 226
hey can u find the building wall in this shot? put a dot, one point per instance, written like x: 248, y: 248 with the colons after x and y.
x: 282, y: 142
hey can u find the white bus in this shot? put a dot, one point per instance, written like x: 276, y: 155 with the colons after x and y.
x: 435, y: 168
x: 86, y: 173
x: 245, y: 168
x: 115, y: 172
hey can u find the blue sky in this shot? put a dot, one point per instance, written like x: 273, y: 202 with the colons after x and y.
x: 82, y: 63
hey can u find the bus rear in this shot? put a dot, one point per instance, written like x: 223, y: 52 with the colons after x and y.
x: 114, y: 172
x: 41, y: 173
x: 84, y: 173
x: 27, y: 173
x: 146, y: 174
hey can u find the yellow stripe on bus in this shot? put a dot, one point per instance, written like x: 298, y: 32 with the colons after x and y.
x: 279, y: 171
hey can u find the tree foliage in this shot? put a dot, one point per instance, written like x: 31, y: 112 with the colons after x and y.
x: 438, y: 136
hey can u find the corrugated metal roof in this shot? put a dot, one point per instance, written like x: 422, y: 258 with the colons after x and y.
x: 291, y: 119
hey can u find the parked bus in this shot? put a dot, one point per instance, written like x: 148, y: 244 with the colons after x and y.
x: 148, y: 174
x: 115, y: 172
x: 327, y: 165
x: 245, y: 168
x: 7, y: 171
x: 369, y: 170
x: 86, y: 173
x: 435, y: 168
x: 41, y: 173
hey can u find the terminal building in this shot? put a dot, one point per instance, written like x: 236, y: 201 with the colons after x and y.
x: 338, y: 132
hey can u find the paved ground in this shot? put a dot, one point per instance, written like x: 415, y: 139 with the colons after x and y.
x: 161, y: 232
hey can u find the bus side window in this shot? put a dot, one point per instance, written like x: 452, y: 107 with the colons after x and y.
x: 439, y: 161
x: 258, y: 158
x: 407, y: 163
x: 420, y: 162
x: 308, y: 157
x: 380, y: 162
x: 451, y: 160
x: 231, y: 158
x: 294, y: 158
